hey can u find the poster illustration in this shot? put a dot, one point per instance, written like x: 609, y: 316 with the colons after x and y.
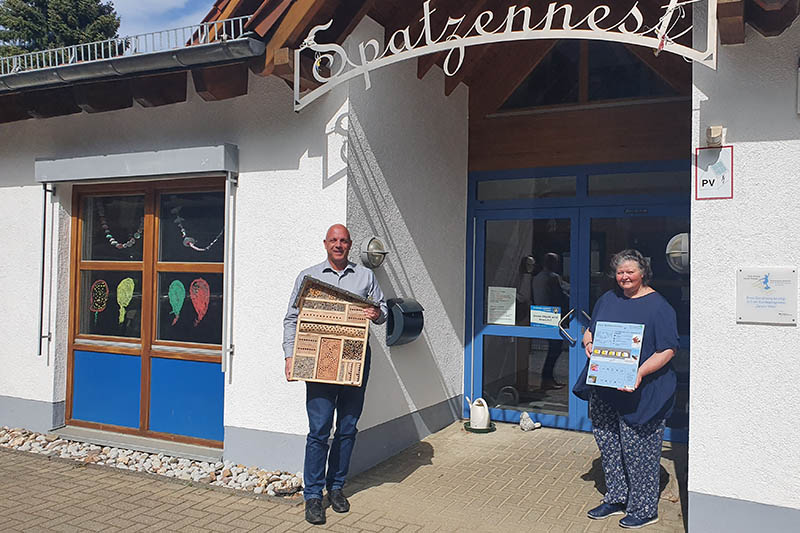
x: 616, y: 349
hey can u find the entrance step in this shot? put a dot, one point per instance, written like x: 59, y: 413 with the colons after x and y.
x: 139, y: 443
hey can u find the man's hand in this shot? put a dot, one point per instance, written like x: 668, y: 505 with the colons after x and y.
x: 372, y: 313
x: 288, y: 368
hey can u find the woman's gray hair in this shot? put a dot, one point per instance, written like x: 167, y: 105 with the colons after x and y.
x: 636, y: 256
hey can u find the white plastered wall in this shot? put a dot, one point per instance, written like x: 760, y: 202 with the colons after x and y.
x: 285, y: 203
x: 407, y: 177
x: 743, y: 412
x: 293, y: 184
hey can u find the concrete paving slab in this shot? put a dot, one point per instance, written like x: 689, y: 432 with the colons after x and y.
x: 509, y: 480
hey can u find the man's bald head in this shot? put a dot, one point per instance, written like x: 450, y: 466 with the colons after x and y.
x: 337, y: 244
x: 337, y: 228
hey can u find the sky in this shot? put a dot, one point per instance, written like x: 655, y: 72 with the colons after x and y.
x: 143, y: 16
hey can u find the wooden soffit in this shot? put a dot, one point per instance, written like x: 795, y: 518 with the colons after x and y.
x: 768, y: 17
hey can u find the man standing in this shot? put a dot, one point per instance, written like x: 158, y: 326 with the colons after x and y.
x: 322, y: 399
x: 548, y: 290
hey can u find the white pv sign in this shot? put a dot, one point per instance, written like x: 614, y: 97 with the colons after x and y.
x: 713, y: 173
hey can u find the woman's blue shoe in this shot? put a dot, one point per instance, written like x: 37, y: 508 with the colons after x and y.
x: 630, y: 522
x: 604, y: 510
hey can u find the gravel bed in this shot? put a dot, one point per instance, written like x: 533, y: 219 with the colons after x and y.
x: 221, y: 474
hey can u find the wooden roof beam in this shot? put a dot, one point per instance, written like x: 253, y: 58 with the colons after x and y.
x: 160, y: 89
x: 12, y: 108
x: 50, y: 103
x: 730, y: 18
x: 295, y: 21
x: 221, y: 82
x: 103, y: 96
x: 284, y: 69
x: 772, y: 17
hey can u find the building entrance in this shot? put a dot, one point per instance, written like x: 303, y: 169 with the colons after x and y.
x: 542, y: 241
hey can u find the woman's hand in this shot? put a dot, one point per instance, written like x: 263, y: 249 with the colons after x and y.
x: 587, y: 343
x: 636, y: 385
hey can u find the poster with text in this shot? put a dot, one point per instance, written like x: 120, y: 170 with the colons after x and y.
x: 501, y: 306
x: 616, y: 349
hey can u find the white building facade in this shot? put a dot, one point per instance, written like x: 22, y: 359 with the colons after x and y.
x: 407, y: 163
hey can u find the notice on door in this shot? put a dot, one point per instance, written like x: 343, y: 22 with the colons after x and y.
x: 545, y: 315
x: 501, y: 305
x: 766, y: 295
x: 713, y: 173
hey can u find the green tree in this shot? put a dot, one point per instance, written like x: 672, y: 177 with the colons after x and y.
x: 30, y: 25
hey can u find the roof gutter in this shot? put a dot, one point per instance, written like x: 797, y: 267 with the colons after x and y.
x: 223, y: 51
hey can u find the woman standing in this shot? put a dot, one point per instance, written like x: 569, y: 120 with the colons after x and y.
x: 628, y: 424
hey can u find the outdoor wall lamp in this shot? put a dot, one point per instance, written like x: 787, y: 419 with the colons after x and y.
x: 373, y: 252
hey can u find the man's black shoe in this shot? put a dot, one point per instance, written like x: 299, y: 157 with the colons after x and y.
x: 338, y: 502
x: 315, y: 514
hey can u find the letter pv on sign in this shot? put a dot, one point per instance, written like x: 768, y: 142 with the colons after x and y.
x: 658, y: 24
x: 713, y: 173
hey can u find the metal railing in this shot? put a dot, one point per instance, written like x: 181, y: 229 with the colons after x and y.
x: 145, y: 43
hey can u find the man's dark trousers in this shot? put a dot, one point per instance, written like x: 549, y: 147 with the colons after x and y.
x: 322, y: 399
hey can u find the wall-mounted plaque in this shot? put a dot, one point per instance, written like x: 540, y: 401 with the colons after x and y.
x: 766, y: 295
x: 331, y: 340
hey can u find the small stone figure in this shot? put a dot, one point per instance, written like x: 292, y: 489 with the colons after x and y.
x: 526, y: 424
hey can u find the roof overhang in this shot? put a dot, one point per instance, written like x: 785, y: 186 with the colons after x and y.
x: 216, y: 53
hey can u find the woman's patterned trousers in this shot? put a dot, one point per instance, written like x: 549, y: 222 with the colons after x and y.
x: 631, y: 458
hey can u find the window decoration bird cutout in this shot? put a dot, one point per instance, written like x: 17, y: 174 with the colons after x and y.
x: 124, y: 296
x: 177, y: 296
x: 199, y: 293
x: 98, y: 295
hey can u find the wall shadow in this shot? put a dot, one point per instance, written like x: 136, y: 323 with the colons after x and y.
x: 394, y: 470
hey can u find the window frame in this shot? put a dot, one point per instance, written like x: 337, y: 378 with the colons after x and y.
x: 146, y: 346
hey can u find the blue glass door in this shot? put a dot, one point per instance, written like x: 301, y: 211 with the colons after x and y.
x: 526, y: 349
x: 657, y: 231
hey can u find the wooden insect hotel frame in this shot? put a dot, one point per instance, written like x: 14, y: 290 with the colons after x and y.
x: 331, y: 339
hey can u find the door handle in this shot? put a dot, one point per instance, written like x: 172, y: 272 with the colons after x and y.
x: 561, y: 327
x: 587, y: 315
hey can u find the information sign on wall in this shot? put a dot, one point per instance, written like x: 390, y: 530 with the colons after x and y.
x: 713, y: 173
x: 766, y: 295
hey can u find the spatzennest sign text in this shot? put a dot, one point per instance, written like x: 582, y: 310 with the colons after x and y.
x: 333, y: 65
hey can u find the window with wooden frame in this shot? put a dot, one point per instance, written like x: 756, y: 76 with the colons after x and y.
x: 148, y: 262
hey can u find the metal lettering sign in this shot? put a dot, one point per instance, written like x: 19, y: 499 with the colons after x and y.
x: 601, y: 23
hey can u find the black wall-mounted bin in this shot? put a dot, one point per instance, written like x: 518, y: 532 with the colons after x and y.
x: 405, y: 321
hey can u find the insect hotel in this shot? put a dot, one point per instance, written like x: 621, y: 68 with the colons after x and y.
x: 332, y: 329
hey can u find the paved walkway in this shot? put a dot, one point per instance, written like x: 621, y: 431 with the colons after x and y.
x: 508, y: 480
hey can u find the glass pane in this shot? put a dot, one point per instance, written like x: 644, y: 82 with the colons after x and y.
x: 526, y: 188
x: 526, y: 263
x: 674, y: 182
x: 554, y: 81
x: 191, y: 227
x: 649, y: 235
x: 614, y: 72
x: 515, y: 373
x: 113, y: 228
x: 680, y: 415
x: 111, y: 303
x: 190, y: 307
